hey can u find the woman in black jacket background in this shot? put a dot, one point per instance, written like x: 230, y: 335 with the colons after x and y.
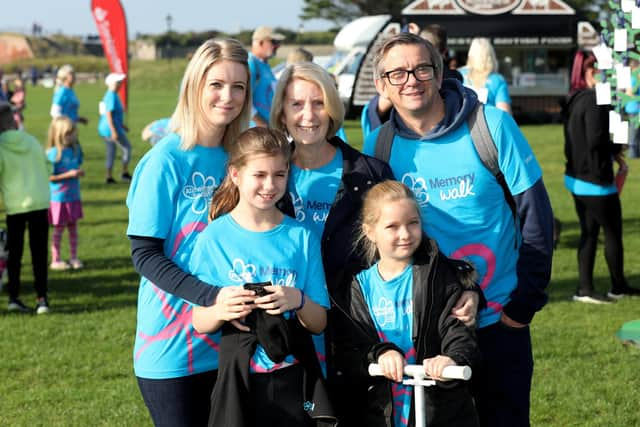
x: 589, y: 177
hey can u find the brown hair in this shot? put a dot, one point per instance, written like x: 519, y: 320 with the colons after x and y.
x: 385, y: 45
x: 379, y: 195
x: 252, y: 142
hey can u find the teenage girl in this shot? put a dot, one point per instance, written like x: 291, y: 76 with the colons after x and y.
x: 398, y: 312
x: 251, y: 241
x: 65, y: 207
x: 168, y: 203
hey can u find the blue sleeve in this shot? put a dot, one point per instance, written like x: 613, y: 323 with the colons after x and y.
x: 369, y: 146
x: 501, y: 90
x: 253, y: 72
x: 151, y: 199
x: 109, y: 101
x: 150, y: 261
x: 536, y: 251
x: 515, y: 156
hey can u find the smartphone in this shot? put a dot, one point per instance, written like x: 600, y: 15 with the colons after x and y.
x: 258, y: 288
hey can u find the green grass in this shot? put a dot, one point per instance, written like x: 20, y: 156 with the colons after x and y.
x: 74, y: 366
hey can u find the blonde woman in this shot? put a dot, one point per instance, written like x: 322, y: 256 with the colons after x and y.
x: 481, y: 74
x: 168, y: 203
x: 65, y: 102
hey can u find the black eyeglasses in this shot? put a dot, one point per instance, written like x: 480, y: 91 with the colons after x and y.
x: 422, y: 73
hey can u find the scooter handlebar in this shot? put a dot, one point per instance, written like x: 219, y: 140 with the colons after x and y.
x: 417, y: 371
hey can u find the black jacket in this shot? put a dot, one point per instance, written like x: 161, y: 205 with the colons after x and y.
x: 587, y: 147
x: 231, y: 402
x: 438, y: 283
x: 359, y: 173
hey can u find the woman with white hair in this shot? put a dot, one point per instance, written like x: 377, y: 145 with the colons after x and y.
x: 112, y: 128
x: 65, y: 102
x: 481, y: 74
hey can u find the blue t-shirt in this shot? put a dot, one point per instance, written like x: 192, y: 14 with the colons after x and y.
x: 67, y: 190
x: 159, y: 129
x: 169, y: 199
x: 342, y: 134
x: 496, y: 86
x: 390, y: 304
x: 110, y: 102
x: 585, y: 188
x: 263, y: 86
x: 287, y: 255
x: 462, y: 204
x: 66, y: 102
x: 313, y: 192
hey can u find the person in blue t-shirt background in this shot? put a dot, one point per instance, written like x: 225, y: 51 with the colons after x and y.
x: 251, y: 241
x: 412, y: 285
x: 65, y: 206
x: 112, y: 128
x: 589, y: 177
x: 65, y: 102
x: 168, y: 202
x: 264, y: 45
x: 156, y: 130
x: 481, y: 74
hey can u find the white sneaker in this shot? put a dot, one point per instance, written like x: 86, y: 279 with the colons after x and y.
x: 59, y: 265
x: 593, y: 299
x: 76, y: 264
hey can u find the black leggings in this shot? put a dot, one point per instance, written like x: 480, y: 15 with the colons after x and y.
x: 595, y: 212
x: 38, y: 224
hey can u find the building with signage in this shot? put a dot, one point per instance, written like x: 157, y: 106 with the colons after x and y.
x: 534, y: 41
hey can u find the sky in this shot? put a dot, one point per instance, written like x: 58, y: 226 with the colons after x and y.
x: 73, y: 17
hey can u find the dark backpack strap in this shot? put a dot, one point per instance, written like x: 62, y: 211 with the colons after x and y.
x: 384, y: 142
x: 486, y: 148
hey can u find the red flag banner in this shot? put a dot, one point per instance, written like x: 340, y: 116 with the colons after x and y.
x: 112, y: 27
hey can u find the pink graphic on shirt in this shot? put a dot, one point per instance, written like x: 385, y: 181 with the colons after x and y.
x: 62, y: 189
x: 484, y: 252
x: 180, y: 322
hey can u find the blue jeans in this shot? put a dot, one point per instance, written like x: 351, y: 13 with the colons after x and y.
x: 502, y: 384
x: 125, y: 147
x: 634, y: 143
x: 177, y: 402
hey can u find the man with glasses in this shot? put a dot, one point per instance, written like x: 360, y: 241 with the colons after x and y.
x: 466, y: 212
x: 264, y: 44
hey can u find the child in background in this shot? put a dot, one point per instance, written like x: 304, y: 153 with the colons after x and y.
x: 18, y: 99
x: 266, y: 246
x: 397, y: 312
x: 65, y: 208
x: 25, y: 196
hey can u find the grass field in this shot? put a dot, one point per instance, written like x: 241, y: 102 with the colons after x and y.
x: 74, y: 366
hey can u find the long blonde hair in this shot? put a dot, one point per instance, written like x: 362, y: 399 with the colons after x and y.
x: 379, y: 195
x: 59, y: 128
x: 252, y: 142
x: 188, y: 115
x: 481, y: 60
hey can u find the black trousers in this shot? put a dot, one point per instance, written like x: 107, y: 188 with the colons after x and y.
x: 179, y: 402
x: 595, y: 212
x: 38, y: 225
x: 502, y: 384
x: 277, y: 399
